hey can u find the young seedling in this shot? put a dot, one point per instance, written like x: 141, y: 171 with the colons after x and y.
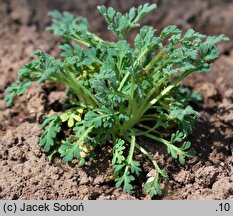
x: 118, y: 92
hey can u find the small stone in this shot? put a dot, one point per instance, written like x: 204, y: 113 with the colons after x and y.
x: 223, y: 188
x: 206, y: 176
x: 184, y: 177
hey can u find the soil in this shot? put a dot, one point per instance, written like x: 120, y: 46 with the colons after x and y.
x: 26, y: 172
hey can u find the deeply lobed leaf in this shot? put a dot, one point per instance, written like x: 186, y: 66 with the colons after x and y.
x: 116, y: 92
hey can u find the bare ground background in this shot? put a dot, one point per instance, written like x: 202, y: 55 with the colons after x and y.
x: 25, y: 171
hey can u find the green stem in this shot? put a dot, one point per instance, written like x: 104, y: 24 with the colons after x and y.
x: 144, y: 108
x: 131, y: 151
x: 154, y: 60
x: 147, y: 154
x: 132, y: 103
x: 123, y: 81
x: 82, y: 93
x: 88, y: 44
x: 147, y: 68
x: 161, y: 140
x: 149, y: 129
x: 165, y: 142
x: 149, y: 95
x: 85, y: 134
x: 171, y: 86
x: 152, y: 117
x: 132, y: 147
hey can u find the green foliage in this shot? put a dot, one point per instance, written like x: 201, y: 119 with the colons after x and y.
x: 121, y: 24
x: 71, y: 116
x: 52, y: 125
x: 69, y: 150
x: 126, y: 180
x: 60, y: 21
x: 17, y: 88
x: 118, y: 150
x: 117, y: 92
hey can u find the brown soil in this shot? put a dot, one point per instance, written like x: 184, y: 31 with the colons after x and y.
x: 26, y: 172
